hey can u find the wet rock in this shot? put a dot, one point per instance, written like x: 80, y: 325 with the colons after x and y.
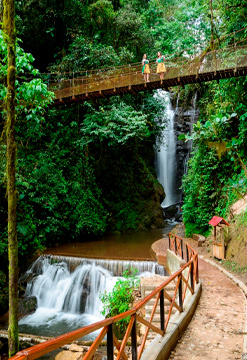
x: 171, y: 211
x: 183, y: 122
x: 27, y: 305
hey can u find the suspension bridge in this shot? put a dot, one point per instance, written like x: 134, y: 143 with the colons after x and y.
x: 229, y: 59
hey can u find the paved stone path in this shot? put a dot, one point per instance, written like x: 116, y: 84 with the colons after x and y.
x: 216, y: 330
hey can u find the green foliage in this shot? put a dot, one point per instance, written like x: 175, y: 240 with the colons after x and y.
x: 115, y: 125
x: 217, y: 172
x: 120, y: 299
x: 32, y: 97
x: 85, y: 55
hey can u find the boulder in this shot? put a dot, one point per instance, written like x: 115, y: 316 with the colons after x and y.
x: 199, y: 238
x: 69, y: 355
x: 27, y: 305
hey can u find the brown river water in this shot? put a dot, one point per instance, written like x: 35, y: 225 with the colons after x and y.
x: 127, y: 246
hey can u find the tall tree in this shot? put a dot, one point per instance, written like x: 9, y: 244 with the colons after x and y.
x: 1, y: 11
x: 10, y: 38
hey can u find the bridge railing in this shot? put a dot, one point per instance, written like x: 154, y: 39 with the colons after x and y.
x: 218, y: 60
x: 184, y: 280
x: 230, y: 53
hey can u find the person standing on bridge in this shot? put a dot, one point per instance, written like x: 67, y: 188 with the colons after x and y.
x: 145, y: 68
x: 161, y: 69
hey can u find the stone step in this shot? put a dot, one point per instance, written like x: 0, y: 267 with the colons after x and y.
x: 151, y: 288
x: 152, y: 302
x: 149, y: 308
x: 156, y: 318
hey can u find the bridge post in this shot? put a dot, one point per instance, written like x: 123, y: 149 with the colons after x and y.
x: 73, y: 92
x: 86, y: 82
x: 129, y: 76
x: 235, y: 53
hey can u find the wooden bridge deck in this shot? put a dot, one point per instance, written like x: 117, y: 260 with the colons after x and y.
x: 226, y: 62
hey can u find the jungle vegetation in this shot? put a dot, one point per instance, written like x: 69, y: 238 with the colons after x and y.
x: 88, y: 168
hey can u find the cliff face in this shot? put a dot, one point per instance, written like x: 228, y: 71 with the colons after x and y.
x: 184, y: 119
x: 186, y: 114
x: 130, y: 190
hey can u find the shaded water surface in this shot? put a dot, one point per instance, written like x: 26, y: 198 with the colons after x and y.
x: 125, y: 246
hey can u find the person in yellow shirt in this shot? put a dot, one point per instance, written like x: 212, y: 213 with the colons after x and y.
x: 145, y: 68
x: 161, y: 69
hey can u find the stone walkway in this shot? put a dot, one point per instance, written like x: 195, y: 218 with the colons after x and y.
x: 216, y: 330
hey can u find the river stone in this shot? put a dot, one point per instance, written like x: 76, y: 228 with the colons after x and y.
x: 69, y: 355
x: 27, y: 305
x: 75, y: 347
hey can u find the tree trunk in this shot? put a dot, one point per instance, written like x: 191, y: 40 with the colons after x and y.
x: 212, y: 25
x: 1, y: 11
x: 10, y: 38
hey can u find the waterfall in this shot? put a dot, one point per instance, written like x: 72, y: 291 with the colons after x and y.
x: 166, y: 156
x: 67, y: 291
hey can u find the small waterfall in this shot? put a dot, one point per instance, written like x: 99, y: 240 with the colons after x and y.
x: 166, y: 156
x: 67, y: 290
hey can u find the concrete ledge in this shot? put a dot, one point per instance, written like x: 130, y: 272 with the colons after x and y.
x: 173, y: 262
x: 161, y: 347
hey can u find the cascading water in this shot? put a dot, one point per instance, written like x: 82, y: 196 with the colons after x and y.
x: 67, y: 291
x: 166, y: 156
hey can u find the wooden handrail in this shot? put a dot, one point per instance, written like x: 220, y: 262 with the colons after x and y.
x: 53, y: 344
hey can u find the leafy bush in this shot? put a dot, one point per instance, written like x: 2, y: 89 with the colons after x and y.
x: 120, y: 299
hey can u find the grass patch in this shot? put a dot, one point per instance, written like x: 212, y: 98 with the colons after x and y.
x: 233, y: 266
